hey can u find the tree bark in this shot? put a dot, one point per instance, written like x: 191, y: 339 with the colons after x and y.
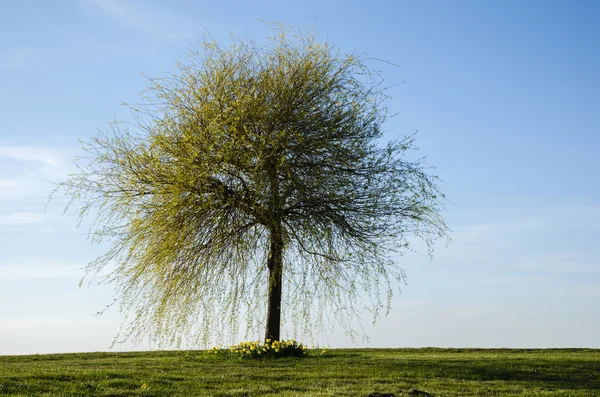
x: 275, y: 265
x: 275, y: 259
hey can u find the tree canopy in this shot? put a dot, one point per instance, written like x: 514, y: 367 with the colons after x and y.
x: 255, y: 180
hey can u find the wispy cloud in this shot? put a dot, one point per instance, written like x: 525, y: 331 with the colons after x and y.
x: 27, y: 171
x: 517, y: 253
x: 516, y: 238
x: 568, y: 263
x: 32, y: 153
x: 23, y: 187
x: 503, y: 281
x: 21, y: 272
x: 145, y: 18
x: 24, y: 218
x: 23, y: 57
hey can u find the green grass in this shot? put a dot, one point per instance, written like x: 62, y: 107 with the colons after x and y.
x: 357, y: 372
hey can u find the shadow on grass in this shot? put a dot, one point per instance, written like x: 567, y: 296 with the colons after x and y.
x: 547, y: 374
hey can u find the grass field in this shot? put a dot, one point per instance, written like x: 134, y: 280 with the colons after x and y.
x: 358, y: 372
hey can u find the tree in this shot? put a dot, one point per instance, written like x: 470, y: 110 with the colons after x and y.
x: 254, y: 169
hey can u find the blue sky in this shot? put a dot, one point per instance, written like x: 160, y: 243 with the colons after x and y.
x: 506, y: 99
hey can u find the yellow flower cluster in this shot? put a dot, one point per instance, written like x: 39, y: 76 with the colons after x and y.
x: 289, y: 348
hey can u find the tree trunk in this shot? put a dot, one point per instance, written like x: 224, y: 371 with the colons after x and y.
x: 275, y: 259
x: 275, y: 265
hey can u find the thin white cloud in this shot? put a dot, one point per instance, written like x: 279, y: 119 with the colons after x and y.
x: 32, y: 153
x: 8, y: 184
x: 23, y: 187
x: 145, y: 18
x: 24, y: 272
x: 502, y: 281
x: 23, y: 57
x: 508, y: 236
x: 28, y: 171
x: 24, y: 218
x: 568, y: 263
